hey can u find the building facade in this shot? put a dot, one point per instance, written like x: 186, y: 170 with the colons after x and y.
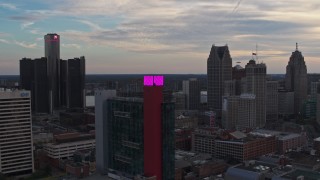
x: 191, y: 88
x: 272, y: 107
x: 16, y: 147
x: 219, y: 70
x: 296, y: 79
x: 256, y: 84
x: 52, y: 53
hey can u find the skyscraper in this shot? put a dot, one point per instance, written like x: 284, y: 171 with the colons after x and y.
x: 54, y: 83
x: 191, y: 88
x: 219, y: 70
x: 76, y: 83
x: 52, y: 53
x: 16, y: 154
x: 135, y: 136
x: 296, y: 79
x: 256, y: 85
x: 33, y: 77
x: 272, y: 107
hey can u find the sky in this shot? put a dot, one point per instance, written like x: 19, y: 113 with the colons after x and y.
x: 160, y: 36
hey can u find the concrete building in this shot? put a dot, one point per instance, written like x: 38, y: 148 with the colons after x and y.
x: 101, y: 126
x: 272, y: 101
x: 256, y: 84
x: 16, y: 152
x: 287, y: 142
x: 315, y: 88
x: 247, y: 112
x: 191, y: 88
x: 65, y: 145
x: 203, y: 141
x: 219, y: 70
x: 296, y: 79
x: 230, y: 111
x: 239, y: 112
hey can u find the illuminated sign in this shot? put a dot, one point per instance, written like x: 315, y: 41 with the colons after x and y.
x: 55, y: 37
x: 153, y: 80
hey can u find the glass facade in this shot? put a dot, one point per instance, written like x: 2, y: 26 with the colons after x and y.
x: 125, y: 136
x: 168, y: 141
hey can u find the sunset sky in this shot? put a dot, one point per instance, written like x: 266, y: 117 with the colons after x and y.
x: 160, y: 36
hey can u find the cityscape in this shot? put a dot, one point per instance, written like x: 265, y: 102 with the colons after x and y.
x: 247, y: 114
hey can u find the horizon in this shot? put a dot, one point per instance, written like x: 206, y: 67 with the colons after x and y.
x: 160, y: 37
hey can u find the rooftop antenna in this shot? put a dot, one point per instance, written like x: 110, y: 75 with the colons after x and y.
x: 296, y: 46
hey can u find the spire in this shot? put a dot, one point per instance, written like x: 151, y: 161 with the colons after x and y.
x: 296, y: 46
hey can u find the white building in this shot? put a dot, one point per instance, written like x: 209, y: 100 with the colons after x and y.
x: 67, y: 149
x: 16, y: 156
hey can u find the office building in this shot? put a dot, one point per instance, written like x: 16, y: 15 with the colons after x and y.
x: 191, y: 88
x: 296, y: 79
x: 54, y: 83
x: 16, y: 152
x: 315, y: 88
x: 219, y: 70
x: 76, y: 83
x: 52, y: 53
x: 272, y: 101
x: 101, y: 126
x: 256, y: 84
x: 247, y: 112
x: 33, y: 77
x: 136, y: 135
x: 239, y: 112
x: 230, y: 112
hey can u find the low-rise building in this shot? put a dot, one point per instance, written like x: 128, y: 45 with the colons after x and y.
x: 65, y: 145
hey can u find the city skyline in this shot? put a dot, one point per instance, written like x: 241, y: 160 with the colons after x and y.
x: 169, y: 36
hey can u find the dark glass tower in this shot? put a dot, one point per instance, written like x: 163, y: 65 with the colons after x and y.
x: 219, y: 70
x: 76, y: 83
x: 296, y: 79
x: 33, y: 77
x: 52, y: 53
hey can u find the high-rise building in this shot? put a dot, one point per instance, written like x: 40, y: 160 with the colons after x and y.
x: 76, y: 83
x: 296, y: 79
x: 33, y: 77
x: 315, y: 88
x: 16, y: 155
x: 219, y: 70
x: 52, y: 53
x: 191, y: 88
x: 247, y: 112
x: 158, y: 130
x: 256, y: 84
x: 179, y: 98
x: 239, y: 112
x: 285, y: 103
x: 136, y: 135
x: 272, y: 107
x: 101, y: 125
x: 54, y: 83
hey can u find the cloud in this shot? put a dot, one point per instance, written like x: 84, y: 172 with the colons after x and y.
x: 4, y: 41
x: 77, y: 46
x: 25, y: 44
x: 26, y: 25
x: 8, y: 6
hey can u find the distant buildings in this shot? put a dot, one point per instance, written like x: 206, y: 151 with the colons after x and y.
x: 54, y: 83
x: 16, y: 147
x: 191, y: 88
x: 296, y: 79
x: 219, y: 70
x: 136, y: 135
x: 272, y: 106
